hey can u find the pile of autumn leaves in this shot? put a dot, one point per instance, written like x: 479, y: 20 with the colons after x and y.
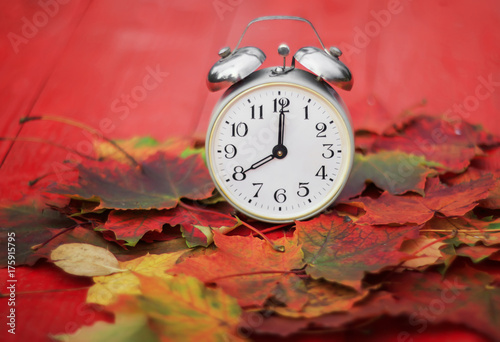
x: 415, y: 234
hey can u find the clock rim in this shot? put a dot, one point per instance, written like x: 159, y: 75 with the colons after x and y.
x: 306, y: 82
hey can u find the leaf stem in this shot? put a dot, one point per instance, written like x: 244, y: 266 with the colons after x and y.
x: 64, y: 230
x: 252, y: 273
x: 85, y: 127
x: 39, y: 178
x: 43, y: 141
x: 272, y: 229
x: 278, y: 248
x: 458, y: 231
x: 206, y: 211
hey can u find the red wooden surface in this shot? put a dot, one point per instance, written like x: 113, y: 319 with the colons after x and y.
x: 136, y: 68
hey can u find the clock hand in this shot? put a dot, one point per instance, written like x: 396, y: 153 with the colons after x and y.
x: 280, y: 151
x: 281, y: 128
x: 260, y: 162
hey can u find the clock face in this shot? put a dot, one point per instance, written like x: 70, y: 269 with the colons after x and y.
x: 279, y: 152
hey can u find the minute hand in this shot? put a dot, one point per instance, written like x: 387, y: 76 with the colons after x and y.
x: 260, y: 163
x: 281, y: 128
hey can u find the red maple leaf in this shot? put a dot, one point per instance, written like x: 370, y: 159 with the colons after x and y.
x: 337, y: 249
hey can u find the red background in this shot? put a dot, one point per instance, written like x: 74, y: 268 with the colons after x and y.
x: 80, y: 58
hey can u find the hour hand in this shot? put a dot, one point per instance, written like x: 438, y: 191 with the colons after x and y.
x: 260, y: 162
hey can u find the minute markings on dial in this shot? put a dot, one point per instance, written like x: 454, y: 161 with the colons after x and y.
x: 248, y: 147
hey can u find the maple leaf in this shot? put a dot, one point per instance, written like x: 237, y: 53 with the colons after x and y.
x: 250, y: 270
x: 128, y: 327
x: 131, y: 225
x: 465, y: 296
x: 182, y: 308
x: 339, y: 250
x: 472, y: 174
x: 197, y: 224
x: 426, y: 250
x: 453, y: 144
x: 411, y: 208
x: 163, y: 181
x: 490, y: 161
x: 476, y: 253
x: 394, y: 171
x: 323, y: 298
x: 31, y: 226
x: 107, y: 288
x: 174, y: 309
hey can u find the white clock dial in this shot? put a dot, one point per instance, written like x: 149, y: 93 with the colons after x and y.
x: 279, y: 152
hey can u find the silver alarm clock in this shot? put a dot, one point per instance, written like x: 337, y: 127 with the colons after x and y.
x: 280, y: 144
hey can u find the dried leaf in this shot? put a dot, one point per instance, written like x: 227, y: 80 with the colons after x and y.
x: 85, y: 260
x: 131, y: 225
x: 197, y: 225
x: 107, y: 288
x: 472, y: 174
x: 338, y: 250
x: 465, y: 296
x: 162, y: 182
x: 452, y: 144
x: 140, y: 148
x: 426, y: 250
x: 128, y: 327
x: 248, y: 269
x: 183, y: 309
x: 323, y: 298
x: 467, y: 229
x: 393, y: 171
x: 476, y: 253
x: 455, y: 200
x: 32, y: 226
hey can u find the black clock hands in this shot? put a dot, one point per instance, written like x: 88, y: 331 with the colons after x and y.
x: 260, y: 162
x: 280, y: 151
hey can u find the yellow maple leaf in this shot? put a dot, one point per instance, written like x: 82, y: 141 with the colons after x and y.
x: 107, y: 288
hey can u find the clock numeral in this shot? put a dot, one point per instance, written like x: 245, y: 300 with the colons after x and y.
x: 238, y: 174
x: 279, y: 195
x: 261, y: 112
x: 230, y: 150
x: 321, y: 128
x: 321, y: 172
x: 260, y: 187
x: 306, y: 112
x: 240, y: 129
x: 330, y: 153
x: 304, y: 189
x: 283, y: 103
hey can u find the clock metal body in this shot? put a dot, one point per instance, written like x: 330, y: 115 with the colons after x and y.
x: 280, y: 144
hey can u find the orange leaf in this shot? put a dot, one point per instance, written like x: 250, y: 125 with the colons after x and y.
x: 250, y: 270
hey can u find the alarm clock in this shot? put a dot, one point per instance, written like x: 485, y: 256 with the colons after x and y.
x: 280, y: 144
